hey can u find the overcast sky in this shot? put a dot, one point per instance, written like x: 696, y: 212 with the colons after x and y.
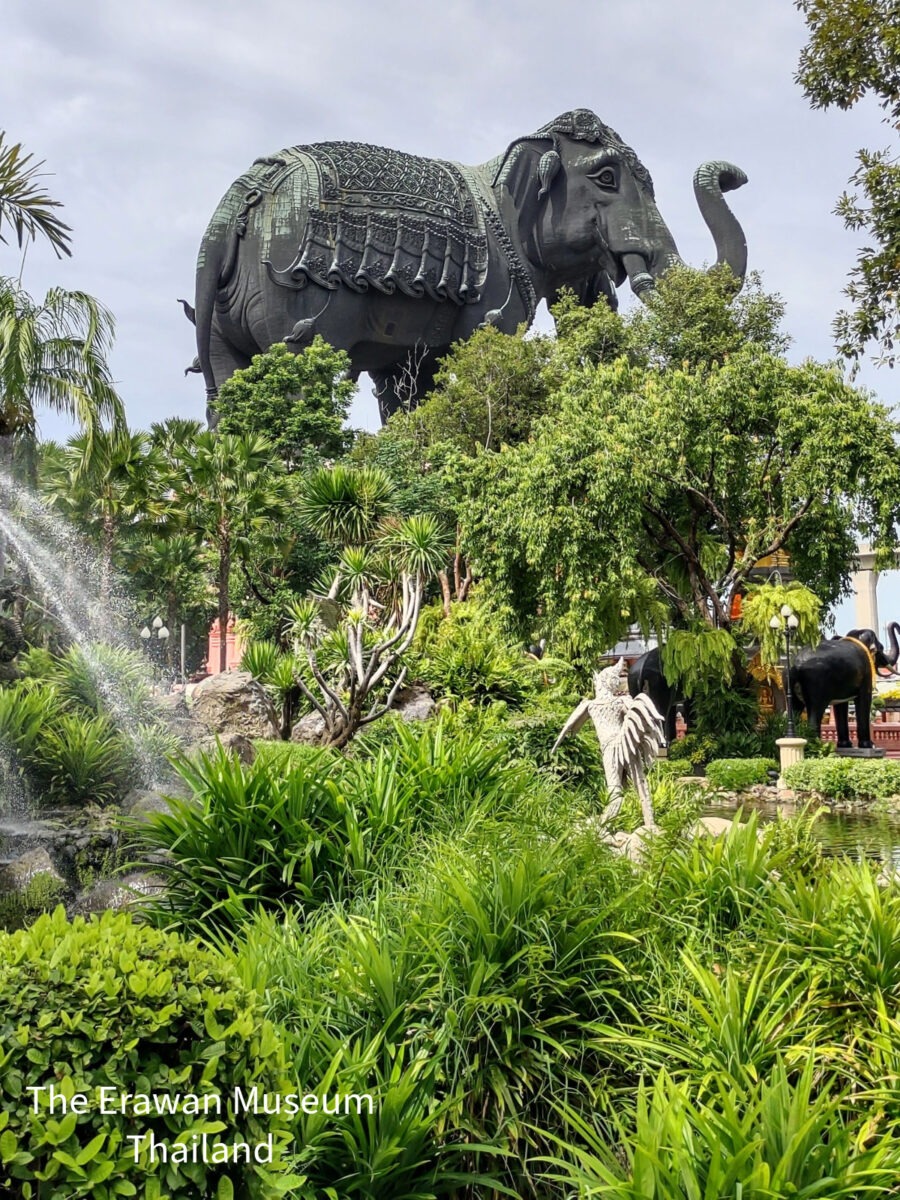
x: 146, y: 112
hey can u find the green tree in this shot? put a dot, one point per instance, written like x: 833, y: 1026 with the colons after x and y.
x: 487, y: 391
x: 23, y: 202
x: 854, y: 51
x: 231, y: 491
x: 53, y: 353
x: 650, y: 494
x: 108, y: 485
x: 168, y: 570
x: 299, y: 402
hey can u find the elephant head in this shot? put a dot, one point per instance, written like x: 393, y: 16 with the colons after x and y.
x: 586, y: 212
x: 875, y: 647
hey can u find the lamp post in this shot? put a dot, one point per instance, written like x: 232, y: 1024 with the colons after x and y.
x: 790, y: 745
x: 787, y: 623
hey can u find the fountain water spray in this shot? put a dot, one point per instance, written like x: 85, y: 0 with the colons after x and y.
x: 78, y: 590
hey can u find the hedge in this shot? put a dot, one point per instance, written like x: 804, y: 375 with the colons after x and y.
x: 735, y: 774
x: 840, y: 778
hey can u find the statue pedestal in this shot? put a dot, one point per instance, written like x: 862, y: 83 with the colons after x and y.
x: 855, y: 752
x: 790, y: 751
x: 662, y: 751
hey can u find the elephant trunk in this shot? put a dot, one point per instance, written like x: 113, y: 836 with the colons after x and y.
x: 894, y: 652
x: 711, y: 179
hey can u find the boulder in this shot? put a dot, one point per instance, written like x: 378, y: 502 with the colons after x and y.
x: 236, y: 743
x: 309, y: 730
x: 141, y: 803
x: 127, y: 891
x: 414, y: 704
x: 234, y: 702
x: 33, y: 868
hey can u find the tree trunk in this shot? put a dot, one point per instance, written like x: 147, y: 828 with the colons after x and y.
x: 171, y: 619
x: 224, y: 577
x: 445, y: 591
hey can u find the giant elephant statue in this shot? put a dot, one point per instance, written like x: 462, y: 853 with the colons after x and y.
x: 645, y: 675
x: 841, y: 670
x: 393, y: 257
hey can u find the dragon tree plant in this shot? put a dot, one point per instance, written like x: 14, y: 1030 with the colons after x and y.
x: 355, y: 670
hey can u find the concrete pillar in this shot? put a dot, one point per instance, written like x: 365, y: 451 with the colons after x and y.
x: 865, y: 586
x: 791, y: 751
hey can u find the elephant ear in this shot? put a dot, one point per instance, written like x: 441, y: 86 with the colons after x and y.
x: 547, y: 169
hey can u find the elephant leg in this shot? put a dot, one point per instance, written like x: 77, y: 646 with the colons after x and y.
x: 224, y: 361
x: 863, y: 704
x: 842, y: 720
x: 671, y: 718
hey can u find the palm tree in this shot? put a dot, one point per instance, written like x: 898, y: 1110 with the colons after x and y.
x: 54, y: 354
x: 108, y: 485
x: 23, y: 202
x: 165, y: 568
x: 231, y: 491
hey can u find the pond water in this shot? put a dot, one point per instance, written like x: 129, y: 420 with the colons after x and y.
x: 856, y: 834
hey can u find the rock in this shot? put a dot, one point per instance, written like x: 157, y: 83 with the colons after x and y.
x: 234, y: 702
x: 143, y: 802
x: 711, y: 827
x: 31, y: 869
x: 127, y: 891
x: 231, y: 743
x: 309, y: 730
x: 414, y: 704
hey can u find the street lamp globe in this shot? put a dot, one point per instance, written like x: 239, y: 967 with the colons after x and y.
x: 162, y: 633
x: 145, y: 632
x: 786, y: 611
x: 157, y: 622
x: 793, y: 621
x: 774, y: 623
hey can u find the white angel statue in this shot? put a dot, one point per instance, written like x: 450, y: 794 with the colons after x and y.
x: 629, y: 730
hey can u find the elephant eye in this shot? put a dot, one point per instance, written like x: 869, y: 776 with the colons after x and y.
x: 606, y: 177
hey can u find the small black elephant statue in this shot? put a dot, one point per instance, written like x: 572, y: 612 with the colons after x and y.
x: 645, y: 675
x: 839, y: 671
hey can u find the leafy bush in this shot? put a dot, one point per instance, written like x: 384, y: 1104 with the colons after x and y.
x: 692, y: 748
x: 467, y: 656
x: 316, y: 826
x: 674, y: 768
x: 249, y: 836
x: 774, y: 726
x: 531, y: 735
x: 108, y: 1003
x: 846, y: 778
x: 735, y: 774
x: 82, y: 758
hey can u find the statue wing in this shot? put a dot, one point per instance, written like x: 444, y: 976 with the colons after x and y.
x: 574, y: 723
x: 643, y: 730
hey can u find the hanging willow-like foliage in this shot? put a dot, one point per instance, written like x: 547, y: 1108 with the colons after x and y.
x: 692, y: 662
x: 764, y: 602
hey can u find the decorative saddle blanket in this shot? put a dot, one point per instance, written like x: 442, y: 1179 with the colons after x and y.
x: 368, y: 218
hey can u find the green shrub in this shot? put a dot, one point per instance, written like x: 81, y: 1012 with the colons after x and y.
x: 249, y: 836
x: 672, y: 768
x: 108, y: 1003
x: 838, y: 778
x: 578, y: 760
x: 467, y: 659
x: 693, y: 748
x: 735, y: 774
x: 82, y: 758
x: 315, y: 827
